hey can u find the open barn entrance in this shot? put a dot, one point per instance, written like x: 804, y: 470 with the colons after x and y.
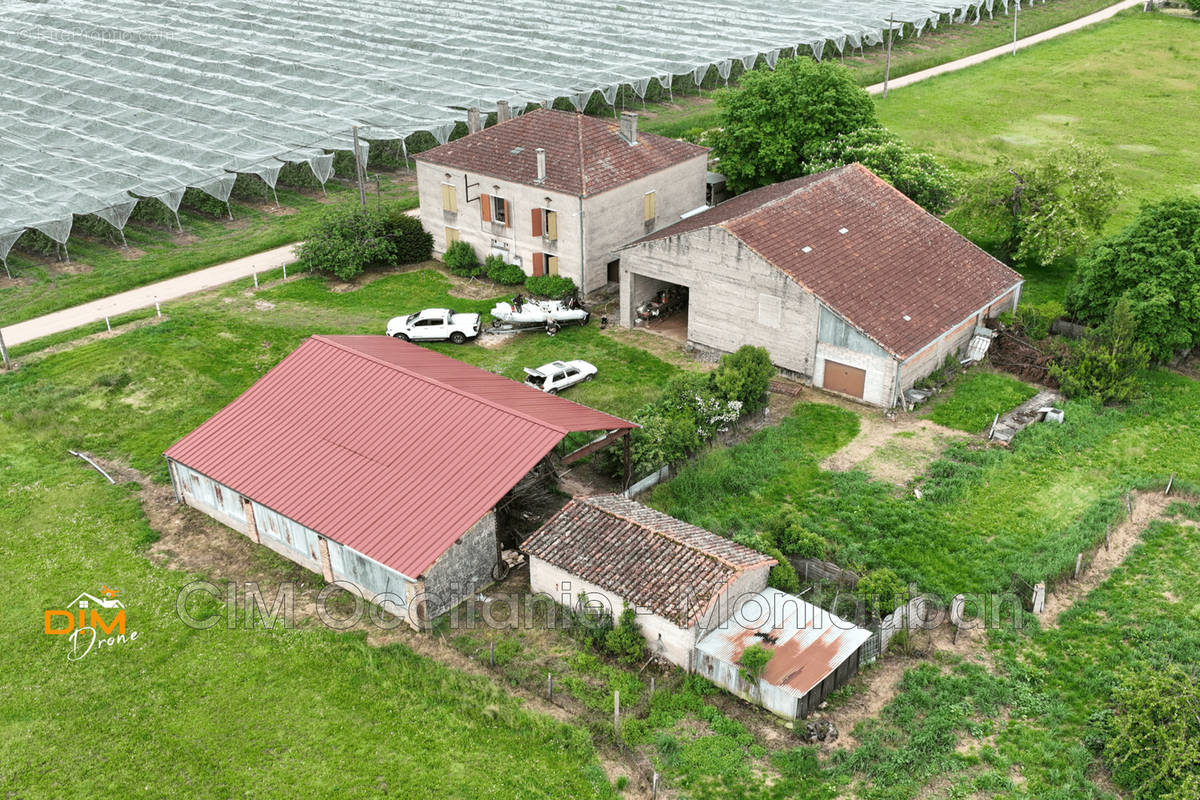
x: 660, y: 307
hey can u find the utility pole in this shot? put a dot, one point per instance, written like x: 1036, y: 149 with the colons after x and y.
x: 1016, y: 12
x: 887, y: 69
x: 358, y: 170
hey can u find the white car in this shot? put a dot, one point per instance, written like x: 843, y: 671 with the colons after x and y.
x: 434, y: 324
x: 558, y: 375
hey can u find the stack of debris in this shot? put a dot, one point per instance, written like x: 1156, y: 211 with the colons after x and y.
x: 1015, y: 353
x: 1042, y: 407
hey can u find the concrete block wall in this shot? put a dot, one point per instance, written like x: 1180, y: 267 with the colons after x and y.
x: 735, y: 298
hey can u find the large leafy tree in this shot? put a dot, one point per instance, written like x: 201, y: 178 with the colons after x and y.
x: 348, y: 240
x: 773, y: 124
x: 922, y: 178
x: 1154, y: 264
x: 1041, y: 212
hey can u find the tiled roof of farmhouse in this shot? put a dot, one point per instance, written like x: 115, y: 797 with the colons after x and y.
x: 651, y: 560
x: 891, y: 269
x: 584, y: 155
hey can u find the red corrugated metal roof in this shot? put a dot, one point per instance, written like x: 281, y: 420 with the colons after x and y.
x: 383, y: 446
x: 584, y: 155
x: 897, y: 273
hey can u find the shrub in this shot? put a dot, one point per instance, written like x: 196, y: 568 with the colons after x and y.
x: 786, y: 529
x: 783, y: 575
x: 1107, y: 364
x: 348, y: 240
x: 553, y: 286
x: 881, y: 591
x: 461, y: 260
x: 625, y: 640
x: 743, y: 376
x: 1037, y: 319
x: 1151, y: 738
x: 754, y: 660
x: 502, y: 272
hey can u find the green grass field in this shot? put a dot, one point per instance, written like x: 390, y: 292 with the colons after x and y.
x: 985, y: 514
x: 1130, y: 86
x: 99, y: 269
x: 976, y: 399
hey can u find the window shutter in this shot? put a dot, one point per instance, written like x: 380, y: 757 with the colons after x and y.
x: 553, y: 265
x: 453, y: 198
x: 485, y: 207
x: 648, y: 206
x: 539, y: 264
x: 451, y: 236
x: 449, y: 198
x: 552, y: 225
x: 507, y: 214
x: 536, y: 216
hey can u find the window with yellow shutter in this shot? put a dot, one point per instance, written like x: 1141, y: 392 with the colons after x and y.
x: 552, y: 265
x: 451, y: 236
x: 648, y: 210
x: 449, y: 199
x: 551, y: 225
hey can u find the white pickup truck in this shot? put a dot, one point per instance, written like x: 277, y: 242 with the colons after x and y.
x: 434, y: 325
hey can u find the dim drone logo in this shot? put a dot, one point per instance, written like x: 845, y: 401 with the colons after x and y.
x: 90, y: 623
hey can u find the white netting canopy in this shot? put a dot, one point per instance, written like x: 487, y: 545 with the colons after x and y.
x: 102, y: 103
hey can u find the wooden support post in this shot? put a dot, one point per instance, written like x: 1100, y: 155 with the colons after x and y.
x: 157, y: 307
x: 550, y: 687
x: 256, y: 279
x: 1078, y: 564
x: 1170, y: 483
x: 654, y: 787
x: 251, y: 525
x: 326, y: 563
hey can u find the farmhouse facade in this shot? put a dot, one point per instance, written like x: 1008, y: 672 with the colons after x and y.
x: 377, y: 464
x: 558, y: 193
x: 846, y: 282
x: 682, y: 579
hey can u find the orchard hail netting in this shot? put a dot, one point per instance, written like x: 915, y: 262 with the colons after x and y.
x: 102, y: 103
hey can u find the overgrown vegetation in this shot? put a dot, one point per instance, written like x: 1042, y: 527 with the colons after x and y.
x: 1107, y: 364
x: 555, y: 287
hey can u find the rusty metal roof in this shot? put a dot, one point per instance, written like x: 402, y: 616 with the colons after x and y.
x: 584, y: 155
x: 808, y: 642
x: 381, y: 445
x: 892, y: 269
x: 650, y: 559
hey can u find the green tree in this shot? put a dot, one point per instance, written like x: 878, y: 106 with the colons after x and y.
x: 1106, y: 365
x: 882, y: 592
x: 1045, y: 211
x: 1154, y: 263
x: 1153, y: 746
x: 754, y: 660
x: 920, y: 176
x: 348, y: 240
x: 772, y: 124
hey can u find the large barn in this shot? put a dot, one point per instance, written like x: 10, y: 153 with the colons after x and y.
x: 847, y: 283
x: 378, y: 464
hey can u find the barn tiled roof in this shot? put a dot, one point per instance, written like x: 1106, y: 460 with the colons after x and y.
x: 652, y: 560
x: 584, y: 155
x: 894, y: 271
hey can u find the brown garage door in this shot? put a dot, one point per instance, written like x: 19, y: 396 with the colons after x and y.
x: 845, y: 379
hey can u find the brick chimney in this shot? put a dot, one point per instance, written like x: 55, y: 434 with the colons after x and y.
x: 503, y: 113
x: 541, y: 165
x: 474, y: 120
x: 629, y: 126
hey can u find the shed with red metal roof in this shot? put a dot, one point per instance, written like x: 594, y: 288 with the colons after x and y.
x: 848, y: 284
x: 377, y: 463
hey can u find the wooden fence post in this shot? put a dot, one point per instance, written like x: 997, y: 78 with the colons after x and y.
x: 550, y: 686
x: 617, y: 712
x: 492, y: 654
x: 1078, y: 564
x: 1170, y: 483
